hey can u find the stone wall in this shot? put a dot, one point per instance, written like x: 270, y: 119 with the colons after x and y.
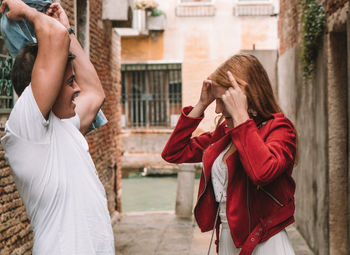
x: 288, y: 25
x: 306, y: 105
x: 319, y: 110
x: 16, y: 236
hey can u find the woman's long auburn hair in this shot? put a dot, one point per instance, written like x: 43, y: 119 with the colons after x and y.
x: 253, y: 80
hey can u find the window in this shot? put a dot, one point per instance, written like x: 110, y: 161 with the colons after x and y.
x: 151, y: 94
x: 195, y: 8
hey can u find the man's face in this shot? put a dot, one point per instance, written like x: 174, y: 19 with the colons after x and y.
x: 64, y: 106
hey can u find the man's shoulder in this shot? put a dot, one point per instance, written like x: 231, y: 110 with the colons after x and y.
x: 26, y: 120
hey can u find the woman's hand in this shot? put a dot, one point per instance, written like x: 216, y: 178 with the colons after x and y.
x: 235, y: 102
x: 206, y: 98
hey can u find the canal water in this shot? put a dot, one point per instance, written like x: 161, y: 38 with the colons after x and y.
x: 142, y: 193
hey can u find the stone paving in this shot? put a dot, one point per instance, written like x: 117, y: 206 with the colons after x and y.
x: 162, y: 233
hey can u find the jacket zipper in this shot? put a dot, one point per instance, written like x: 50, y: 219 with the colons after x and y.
x: 270, y: 195
x: 248, y: 205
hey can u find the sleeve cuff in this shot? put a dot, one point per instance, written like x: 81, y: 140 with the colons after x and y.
x: 187, y: 109
x: 241, y: 129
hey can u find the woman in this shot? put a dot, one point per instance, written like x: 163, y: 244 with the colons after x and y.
x: 247, y: 161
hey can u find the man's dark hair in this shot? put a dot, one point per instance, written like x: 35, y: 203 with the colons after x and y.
x: 21, y: 74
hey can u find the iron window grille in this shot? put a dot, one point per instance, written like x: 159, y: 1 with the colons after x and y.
x: 6, y: 88
x: 151, y: 94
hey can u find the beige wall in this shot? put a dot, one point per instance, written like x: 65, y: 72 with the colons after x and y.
x: 201, y: 44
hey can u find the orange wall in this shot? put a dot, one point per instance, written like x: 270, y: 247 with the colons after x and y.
x: 143, y: 48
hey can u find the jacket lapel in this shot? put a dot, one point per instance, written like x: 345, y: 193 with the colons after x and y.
x: 212, y: 153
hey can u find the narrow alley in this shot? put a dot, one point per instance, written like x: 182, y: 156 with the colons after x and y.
x: 162, y: 233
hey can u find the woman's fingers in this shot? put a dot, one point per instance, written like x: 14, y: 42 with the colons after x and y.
x: 233, y: 80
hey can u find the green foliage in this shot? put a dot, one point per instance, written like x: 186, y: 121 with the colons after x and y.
x: 157, y: 12
x: 313, y: 23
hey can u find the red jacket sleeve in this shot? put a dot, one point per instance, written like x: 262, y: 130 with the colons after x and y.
x: 265, y: 160
x: 181, y: 148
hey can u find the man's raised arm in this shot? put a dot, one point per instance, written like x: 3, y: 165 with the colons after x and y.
x: 91, y: 95
x: 53, y: 46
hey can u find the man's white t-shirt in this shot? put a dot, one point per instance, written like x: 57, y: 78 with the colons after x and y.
x: 58, y: 183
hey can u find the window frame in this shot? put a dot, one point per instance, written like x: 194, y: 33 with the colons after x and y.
x: 137, y: 107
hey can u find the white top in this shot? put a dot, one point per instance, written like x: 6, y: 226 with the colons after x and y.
x: 219, y: 174
x: 277, y: 244
x: 57, y: 181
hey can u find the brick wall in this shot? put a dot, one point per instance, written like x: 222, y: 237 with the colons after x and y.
x: 116, y: 82
x: 104, y: 147
x: 69, y: 8
x: 334, y: 5
x: 288, y: 24
x: 16, y: 236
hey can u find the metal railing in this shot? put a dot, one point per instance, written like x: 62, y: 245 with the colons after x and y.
x: 6, y: 88
x: 151, y: 94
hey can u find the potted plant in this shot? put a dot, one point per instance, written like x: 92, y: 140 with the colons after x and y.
x: 156, y: 19
x: 146, y: 5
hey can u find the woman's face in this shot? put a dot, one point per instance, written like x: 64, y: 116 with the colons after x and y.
x: 217, y: 92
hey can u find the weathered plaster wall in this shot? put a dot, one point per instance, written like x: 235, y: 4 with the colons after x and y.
x: 305, y: 105
x: 319, y: 110
x: 337, y: 135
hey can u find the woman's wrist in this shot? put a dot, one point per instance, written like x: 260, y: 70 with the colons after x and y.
x: 201, y: 107
x: 197, y: 111
x: 240, y: 119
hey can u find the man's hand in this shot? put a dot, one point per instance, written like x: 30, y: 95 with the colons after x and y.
x: 57, y: 12
x: 17, y: 9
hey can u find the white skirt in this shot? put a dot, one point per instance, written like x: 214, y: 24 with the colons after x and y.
x: 278, y: 244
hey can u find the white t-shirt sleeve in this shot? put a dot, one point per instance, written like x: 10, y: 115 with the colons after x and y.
x: 26, y: 120
x: 75, y: 121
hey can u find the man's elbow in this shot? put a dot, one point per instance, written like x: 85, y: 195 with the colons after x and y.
x: 59, y: 39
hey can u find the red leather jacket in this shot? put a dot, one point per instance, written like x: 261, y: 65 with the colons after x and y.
x: 260, y: 191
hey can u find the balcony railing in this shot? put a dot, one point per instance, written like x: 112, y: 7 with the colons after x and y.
x: 193, y: 8
x: 253, y: 8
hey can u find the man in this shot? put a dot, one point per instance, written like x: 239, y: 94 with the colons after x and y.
x: 53, y: 170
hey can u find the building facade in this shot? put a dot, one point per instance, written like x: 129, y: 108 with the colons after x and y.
x: 168, y: 60
x: 320, y: 110
x: 102, y: 44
